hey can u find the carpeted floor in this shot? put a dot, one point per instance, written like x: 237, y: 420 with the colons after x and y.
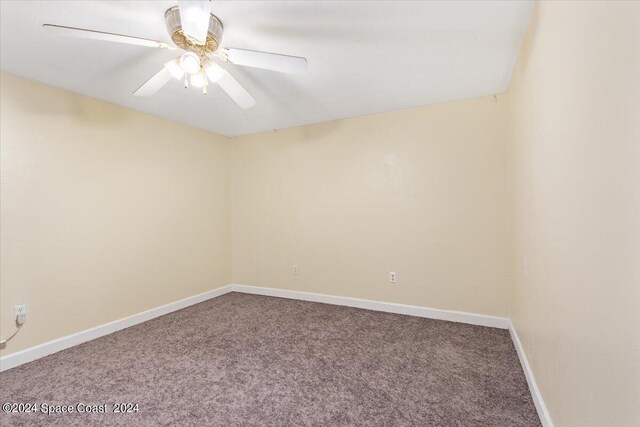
x: 252, y: 360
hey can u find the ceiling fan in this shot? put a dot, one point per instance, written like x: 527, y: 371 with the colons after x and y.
x: 196, y: 31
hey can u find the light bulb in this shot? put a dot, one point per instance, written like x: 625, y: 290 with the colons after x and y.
x: 174, y: 68
x: 214, y: 71
x: 190, y: 62
x: 198, y: 79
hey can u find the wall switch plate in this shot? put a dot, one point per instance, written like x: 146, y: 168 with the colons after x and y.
x: 296, y: 270
x: 393, y: 277
x: 20, y: 312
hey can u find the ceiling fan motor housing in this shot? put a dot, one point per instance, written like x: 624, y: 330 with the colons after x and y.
x: 214, y: 34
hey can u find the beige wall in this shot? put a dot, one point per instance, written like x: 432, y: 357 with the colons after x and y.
x: 105, y: 212
x: 576, y: 169
x: 419, y: 192
x: 527, y: 206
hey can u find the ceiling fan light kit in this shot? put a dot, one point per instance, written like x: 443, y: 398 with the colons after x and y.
x: 190, y: 62
x: 198, y: 79
x: 175, y: 69
x: 194, y: 29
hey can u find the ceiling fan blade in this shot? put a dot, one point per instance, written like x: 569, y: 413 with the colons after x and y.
x: 235, y: 90
x: 217, y: 74
x: 101, y: 35
x: 155, y: 83
x: 194, y: 18
x: 266, y: 60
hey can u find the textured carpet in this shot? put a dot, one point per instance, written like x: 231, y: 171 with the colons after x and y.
x: 252, y: 360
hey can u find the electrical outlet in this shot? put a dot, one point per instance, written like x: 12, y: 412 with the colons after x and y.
x: 296, y: 270
x: 393, y: 277
x: 20, y: 312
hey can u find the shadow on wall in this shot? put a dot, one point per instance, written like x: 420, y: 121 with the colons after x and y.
x: 84, y: 110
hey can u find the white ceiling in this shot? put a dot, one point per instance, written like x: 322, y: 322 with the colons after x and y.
x: 364, y: 57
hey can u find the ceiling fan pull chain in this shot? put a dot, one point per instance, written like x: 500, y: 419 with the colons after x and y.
x: 186, y: 82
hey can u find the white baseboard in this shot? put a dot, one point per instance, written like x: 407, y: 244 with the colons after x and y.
x: 36, y: 352
x: 18, y: 358
x: 410, y: 310
x: 431, y: 313
x: 543, y: 413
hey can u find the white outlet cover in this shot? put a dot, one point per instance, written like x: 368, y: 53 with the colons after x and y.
x: 20, y: 309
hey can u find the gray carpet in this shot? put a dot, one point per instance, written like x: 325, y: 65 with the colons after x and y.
x: 252, y: 360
